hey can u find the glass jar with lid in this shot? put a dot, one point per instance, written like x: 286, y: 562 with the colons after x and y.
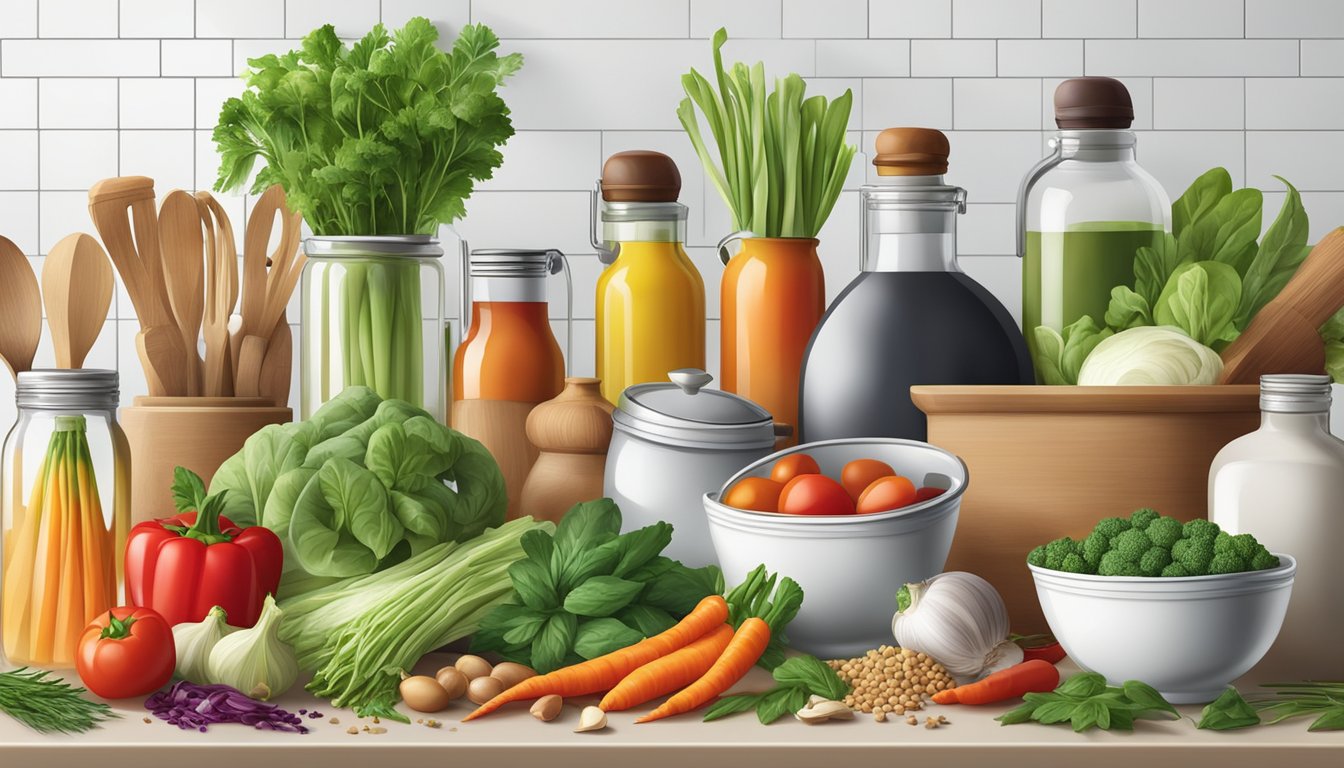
x: 1084, y: 211
x: 65, y: 496
x: 372, y: 311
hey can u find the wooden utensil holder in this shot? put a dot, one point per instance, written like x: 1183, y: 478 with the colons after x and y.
x: 198, y: 433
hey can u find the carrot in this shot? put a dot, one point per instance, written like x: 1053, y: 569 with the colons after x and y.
x: 604, y: 672
x: 668, y: 673
x: 1035, y: 676
x: 738, y: 658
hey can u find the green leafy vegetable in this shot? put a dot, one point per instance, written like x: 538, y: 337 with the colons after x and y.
x: 758, y: 596
x: 782, y: 159
x: 1201, y: 299
x: 1227, y: 712
x: 48, y: 704
x: 1322, y: 700
x: 1085, y: 701
x: 797, y: 678
x: 1203, y: 194
x: 1059, y: 359
x: 591, y: 590
x: 362, y: 485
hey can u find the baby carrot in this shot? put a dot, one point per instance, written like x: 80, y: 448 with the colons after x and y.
x: 668, y: 673
x: 1037, y: 676
x: 743, y: 651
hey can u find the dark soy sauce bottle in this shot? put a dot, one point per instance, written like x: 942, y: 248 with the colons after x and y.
x: 911, y: 316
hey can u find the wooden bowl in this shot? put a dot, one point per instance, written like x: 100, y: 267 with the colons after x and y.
x: 1047, y: 462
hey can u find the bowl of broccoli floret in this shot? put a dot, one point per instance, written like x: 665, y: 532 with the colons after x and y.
x: 1184, y: 607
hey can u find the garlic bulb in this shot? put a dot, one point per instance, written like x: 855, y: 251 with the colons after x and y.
x: 195, y: 641
x: 960, y: 620
x: 256, y: 661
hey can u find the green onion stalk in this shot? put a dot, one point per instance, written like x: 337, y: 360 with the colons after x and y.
x: 380, y: 328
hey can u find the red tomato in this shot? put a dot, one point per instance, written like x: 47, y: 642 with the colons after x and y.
x: 755, y: 493
x: 860, y: 473
x: 886, y: 493
x: 793, y: 465
x: 127, y: 652
x: 814, y: 495
x: 928, y: 492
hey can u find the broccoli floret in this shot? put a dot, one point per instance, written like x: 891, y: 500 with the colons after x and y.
x: 1200, y: 529
x: 1111, y: 527
x: 1243, y: 545
x: 1036, y: 557
x: 1114, y: 563
x: 1131, y: 544
x: 1227, y: 562
x: 1154, y: 560
x: 1142, y: 517
x: 1164, y: 532
x: 1094, y: 546
x: 1074, y: 563
x: 1194, y: 554
x: 1175, y: 569
x: 1264, y: 559
x: 1057, y: 550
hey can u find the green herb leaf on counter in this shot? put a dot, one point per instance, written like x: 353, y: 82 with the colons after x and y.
x: 798, y: 678
x: 1085, y: 701
x: 1227, y: 712
x: 1324, y: 700
x: 812, y: 674
x: 49, y: 704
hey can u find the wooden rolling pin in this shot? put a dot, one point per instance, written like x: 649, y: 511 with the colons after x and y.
x: 1284, y: 337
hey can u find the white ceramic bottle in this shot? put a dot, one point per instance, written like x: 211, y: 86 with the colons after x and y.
x: 1284, y: 484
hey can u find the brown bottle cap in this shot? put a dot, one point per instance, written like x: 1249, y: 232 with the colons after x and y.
x: 640, y: 176
x: 1095, y: 103
x: 911, y: 152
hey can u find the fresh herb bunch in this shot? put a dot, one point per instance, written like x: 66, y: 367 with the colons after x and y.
x: 47, y: 704
x: 591, y: 590
x: 1208, y: 278
x: 1322, y: 700
x: 387, y: 137
x: 1085, y: 701
x: 797, y: 678
x: 782, y: 158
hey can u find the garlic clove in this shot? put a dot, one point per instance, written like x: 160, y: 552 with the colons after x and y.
x: 591, y: 719
x: 823, y: 711
x: 194, y: 641
x: 256, y: 660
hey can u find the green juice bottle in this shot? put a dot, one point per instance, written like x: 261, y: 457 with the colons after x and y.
x: 1083, y: 211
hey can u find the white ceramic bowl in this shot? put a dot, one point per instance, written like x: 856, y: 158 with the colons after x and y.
x: 849, y: 566
x: 1187, y: 637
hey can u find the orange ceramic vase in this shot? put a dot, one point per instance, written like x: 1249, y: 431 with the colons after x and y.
x: 773, y: 295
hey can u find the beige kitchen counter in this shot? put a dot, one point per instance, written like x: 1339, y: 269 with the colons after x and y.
x: 512, y: 738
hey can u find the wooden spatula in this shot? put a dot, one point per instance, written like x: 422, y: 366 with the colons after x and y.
x: 20, y: 309
x: 184, y: 273
x: 1284, y: 336
x: 77, y: 289
x: 221, y: 295
x: 287, y: 265
x: 276, y: 366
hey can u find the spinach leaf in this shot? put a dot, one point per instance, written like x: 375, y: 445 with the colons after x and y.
x: 532, y: 583
x: 1227, y: 712
x: 680, y: 589
x: 1201, y: 299
x: 587, y: 563
x: 780, y: 702
x: 598, y: 637
x: 1282, y: 250
x: 587, y: 525
x: 1060, y: 358
x: 1228, y: 233
x: 731, y: 705
x: 811, y: 673
x: 1127, y: 310
x: 552, y: 645
x: 1201, y: 197
x: 523, y: 628
x: 647, y: 619
x: 1153, y: 267
x: 601, y: 596
x: 639, y: 547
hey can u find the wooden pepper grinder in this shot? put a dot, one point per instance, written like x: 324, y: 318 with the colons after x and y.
x: 572, y: 432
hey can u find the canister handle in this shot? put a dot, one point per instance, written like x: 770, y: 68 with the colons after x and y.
x: 741, y: 234
x: 606, y: 252
x: 1034, y: 175
x: 556, y: 261
x: 690, y: 380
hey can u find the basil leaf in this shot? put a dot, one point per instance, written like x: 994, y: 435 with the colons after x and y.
x: 1017, y: 715
x: 597, y: 561
x: 1147, y: 697
x: 1227, y: 712
x: 731, y: 705
x: 813, y: 675
x: 522, y: 629
x: 680, y: 589
x: 598, y: 637
x: 646, y: 619
x: 1085, y: 715
x: 601, y: 596
x: 533, y: 584
x: 1082, y: 686
x: 780, y: 702
x: 1332, y: 720
x: 587, y: 525
x: 639, y: 547
x: 652, y: 569
x: 1122, y: 720
x: 1055, y: 712
x: 1203, y: 194
x: 553, y: 642
x: 538, y: 546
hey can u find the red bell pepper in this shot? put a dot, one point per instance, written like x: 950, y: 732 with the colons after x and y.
x: 182, y: 566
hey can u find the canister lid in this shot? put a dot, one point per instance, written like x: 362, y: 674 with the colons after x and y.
x: 513, y: 262
x: 684, y: 413
x: 364, y: 246
x: 1093, y: 103
x: 1295, y: 393
x: 67, y: 389
x: 911, y: 152
x: 640, y: 176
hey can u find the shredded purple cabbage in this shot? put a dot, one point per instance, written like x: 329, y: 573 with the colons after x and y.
x: 191, y: 706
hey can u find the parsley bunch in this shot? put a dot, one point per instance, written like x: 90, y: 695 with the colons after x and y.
x: 387, y: 137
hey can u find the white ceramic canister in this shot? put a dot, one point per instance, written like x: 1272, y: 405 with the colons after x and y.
x: 1284, y: 484
x: 671, y: 444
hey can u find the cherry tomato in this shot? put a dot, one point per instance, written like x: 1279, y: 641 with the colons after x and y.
x: 793, y: 465
x: 756, y: 493
x: 860, y: 473
x: 814, y: 495
x: 886, y: 493
x: 126, y: 652
x: 928, y: 492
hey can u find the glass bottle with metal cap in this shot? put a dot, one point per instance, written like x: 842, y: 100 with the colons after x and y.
x: 911, y: 316
x: 1283, y: 484
x: 65, y: 510
x: 1084, y: 211
x: 650, y: 298
x: 372, y: 312
x: 509, y: 361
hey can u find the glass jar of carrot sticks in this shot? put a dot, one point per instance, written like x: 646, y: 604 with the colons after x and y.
x: 65, y: 497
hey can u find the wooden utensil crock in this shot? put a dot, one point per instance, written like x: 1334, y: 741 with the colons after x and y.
x: 198, y: 433
x: 572, y: 431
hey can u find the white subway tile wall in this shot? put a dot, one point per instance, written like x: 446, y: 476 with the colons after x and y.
x: 96, y: 88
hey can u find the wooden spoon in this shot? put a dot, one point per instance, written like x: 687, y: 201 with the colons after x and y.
x: 20, y: 309
x: 258, y: 236
x: 77, y: 289
x: 160, y: 350
x: 184, y: 272
x: 1284, y: 336
x: 279, y: 281
x: 221, y: 299
x: 276, y: 366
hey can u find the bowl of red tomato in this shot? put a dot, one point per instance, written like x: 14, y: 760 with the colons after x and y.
x: 851, y: 521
